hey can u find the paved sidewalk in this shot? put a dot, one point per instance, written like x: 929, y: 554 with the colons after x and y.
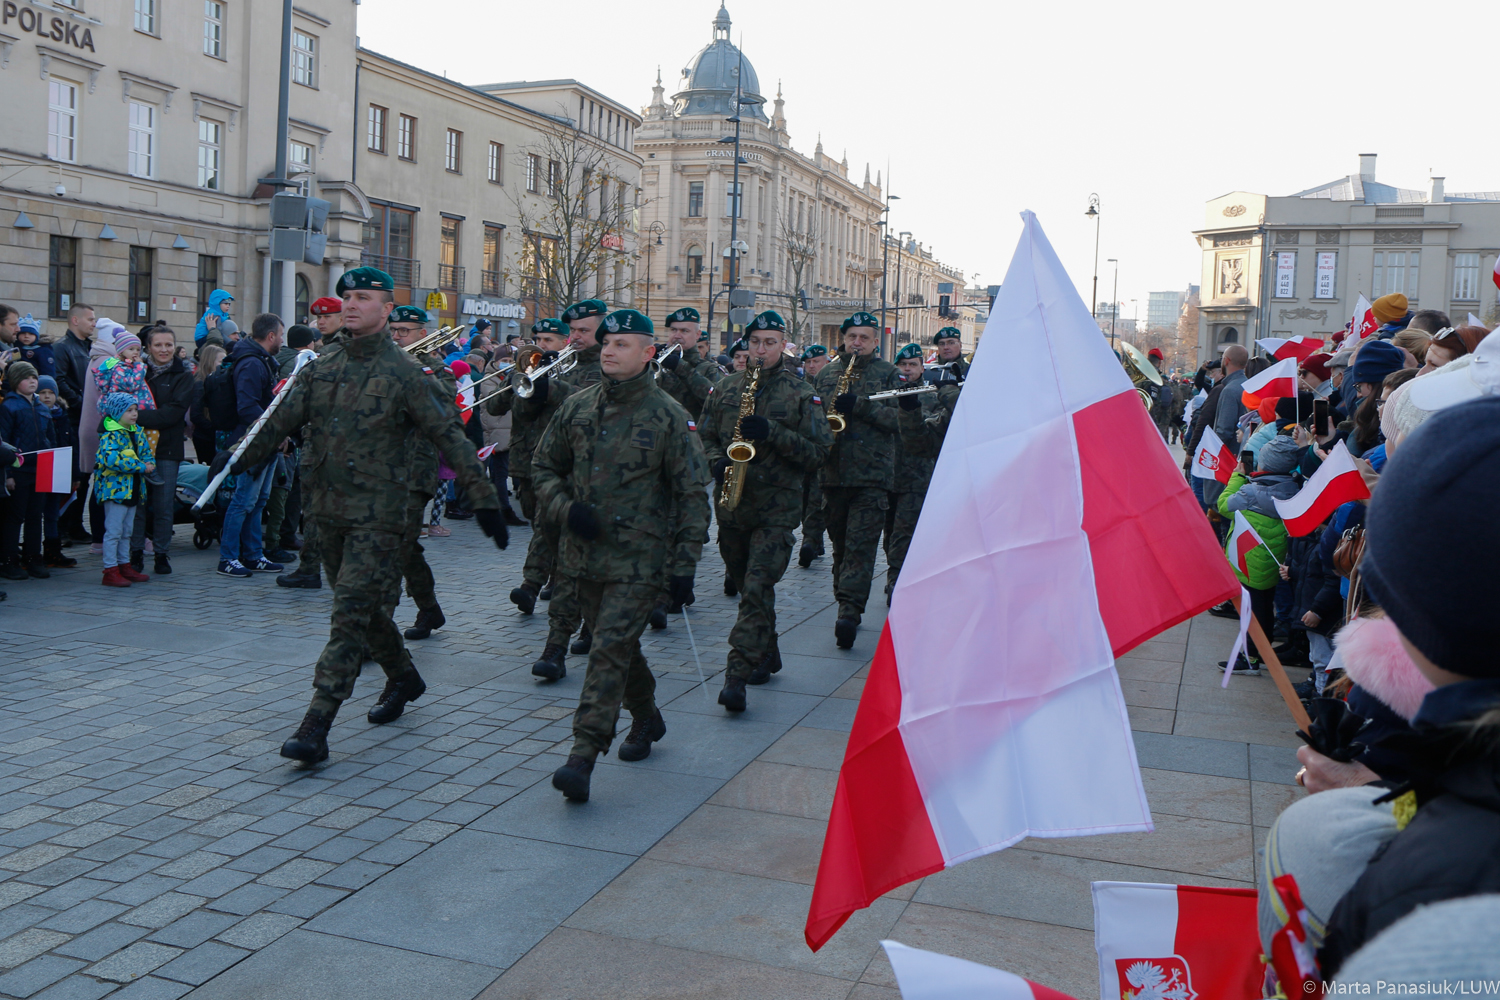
x: 151, y: 840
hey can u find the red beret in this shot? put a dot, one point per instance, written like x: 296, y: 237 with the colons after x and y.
x: 1155, y: 352
x: 326, y: 306
x: 1317, y: 364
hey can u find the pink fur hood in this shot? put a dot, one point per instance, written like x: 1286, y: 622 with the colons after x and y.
x: 1374, y: 659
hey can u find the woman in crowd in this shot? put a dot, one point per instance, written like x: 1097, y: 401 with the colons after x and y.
x: 171, y: 384
x: 209, y: 359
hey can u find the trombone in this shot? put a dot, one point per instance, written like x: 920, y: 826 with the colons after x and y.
x: 563, y: 363
x: 438, y: 338
x: 656, y: 363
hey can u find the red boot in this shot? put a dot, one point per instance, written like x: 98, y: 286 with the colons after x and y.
x: 131, y: 574
x: 112, y: 577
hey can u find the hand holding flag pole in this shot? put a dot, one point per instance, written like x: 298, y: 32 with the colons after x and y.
x: 303, y: 357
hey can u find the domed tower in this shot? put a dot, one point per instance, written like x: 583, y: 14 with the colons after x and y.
x: 710, y: 80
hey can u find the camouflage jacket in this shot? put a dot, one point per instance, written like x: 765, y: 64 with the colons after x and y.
x: 923, y: 431
x: 628, y: 449
x: 424, y: 457
x: 798, y: 443
x: 865, y: 453
x: 918, y: 449
x: 691, y: 381
x: 363, y: 406
x: 529, y: 417
x: 586, y: 372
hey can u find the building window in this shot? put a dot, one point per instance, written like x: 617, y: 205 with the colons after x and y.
x: 533, y: 167
x: 497, y: 158
x: 139, y: 288
x: 734, y: 199
x: 406, y: 138
x: 209, y: 154
x: 1466, y: 277
x: 145, y: 16
x: 490, y: 279
x: 141, y: 158
x: 1396, y: 272
x: 304, y: 59
x: 62, y: 121
x: 453, y: 151
x: 208, y: 280
x: 376, y: 138
x: 213, y: 29
x: 620, y: 190
x: 62, y: 276
x: 299, y: 156
x: 387, y: 239
x: 603, y: 197
x: 695, y: 265
x: 450, y: 275
x: 553, y: 177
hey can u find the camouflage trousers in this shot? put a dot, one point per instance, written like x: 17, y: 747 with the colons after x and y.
x: 310, y: 559
x: 617, y: 671
x: 755, y: 558
x: 814, y: 519
x: 364, y: 567
x: 420, y: 586
x: 564, y: 611
x: 856, y: 517
x: 900, y: 522
x: 541, y: 552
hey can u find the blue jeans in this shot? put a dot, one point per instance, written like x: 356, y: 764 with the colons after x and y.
x: 118, y: 519
x: 242, y: 529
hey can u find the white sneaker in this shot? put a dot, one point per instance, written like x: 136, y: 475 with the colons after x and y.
x: 96, y: 548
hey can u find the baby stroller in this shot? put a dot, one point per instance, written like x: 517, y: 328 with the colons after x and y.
x: 192, y: 480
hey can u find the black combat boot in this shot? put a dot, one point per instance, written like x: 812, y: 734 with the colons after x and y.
x: 572, y: 779
x: 770, y: 663
x: 583, y: 643
x: 37, y: 570
x: 733, y: 695
x: 52, y: 554
x: 551, y: 666
x: 511, y: 517
x: 305, y: 579
x: 546, y: 594
x: 138, y: 560
x: 658, y: 619
x: 392, y: 702
x: 806, y: 555
x: 427, y: 622
x: 309, y: 743
x: 643, y: 733
x: 843, y: 632
x: 524, y: 598
x: 730, y: 590
x: 163, y: 564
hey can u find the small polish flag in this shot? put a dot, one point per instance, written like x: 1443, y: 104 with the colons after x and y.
x: 1279, y: 380
x: 927, y: 975
x: 1292, y: 951
x: 487, y: 451
x: 1243, y: 539
x: 1336, y: 482
x: 54, y: 470
x: 1300, y: 348
x: 1183, y: 941
x: 1364, y: 322
x: 465, y: 398
x: 1214, y: 460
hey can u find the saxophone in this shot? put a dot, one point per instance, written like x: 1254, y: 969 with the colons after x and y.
x: 740, y: 451
x: 836, y: 421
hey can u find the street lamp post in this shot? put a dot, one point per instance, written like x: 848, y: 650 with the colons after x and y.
x: 885, y: 258
x: 1114, y: 308
x: 655, y: 229
x: 741, y: 101
x: 1093, y: 213
x: 900, y: 254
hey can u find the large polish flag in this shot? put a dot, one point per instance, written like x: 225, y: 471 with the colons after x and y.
x: 1056, y: 535
x: 1279, y: 380
x: 1337, y: 481
x: 1187, y: 941
x: 1299, y: 347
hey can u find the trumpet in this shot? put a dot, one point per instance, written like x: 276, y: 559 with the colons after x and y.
x: 656, y: 363
x: 438, y: 338
x: 563, y: 363
x: 906, y: 390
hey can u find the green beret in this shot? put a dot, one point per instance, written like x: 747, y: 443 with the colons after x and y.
x: 909, y: 351
x: 947, y: 332
x: 768, y: 320
x: 687, y: 314
x: 584, y: 309
x: 624, y: 321
x: 365, y: 277
x: 409, y: 314
x: 814, y: 351
x: 548, y: 325
x: 702, y: 336
x: 860, y: 319
x: 739, y: 345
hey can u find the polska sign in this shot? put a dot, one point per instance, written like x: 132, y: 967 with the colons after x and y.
x: 58, y: 29
x: 497, y: 310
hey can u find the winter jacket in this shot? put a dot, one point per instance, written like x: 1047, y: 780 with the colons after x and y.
x: 71, y: 358
x: 173, y: 389
x: 120, y: 462
x: 25, y: 425
x: 216, y: 300
x: 1335, y: 587
x: 1305, y: 562
x: 1230, y: 407
x: 254, y: 377
x: 41, y: 357
x: 100, y: 351
x: 1253, y: 497
x: 64, y: 434
x: 115, y: 375
x: 496, y: 427
x: 7, y: 461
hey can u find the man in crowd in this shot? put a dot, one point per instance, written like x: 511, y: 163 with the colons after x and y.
x: 814, y: 521
x: 328, y: 316
x: 950, y: 350
x: 253, y: 374
x: 687, y: 376
x: 609, y: 467
x: 860, y: 472
x: 790, y: 434
x: 71, y: 355
x: 360, y: 405
x: 10, y: 324
x: 915, y: 459
x: 1222, y: 411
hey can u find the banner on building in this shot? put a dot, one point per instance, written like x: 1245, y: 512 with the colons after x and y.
x: 1327, y: 269
x: 1286, y: 274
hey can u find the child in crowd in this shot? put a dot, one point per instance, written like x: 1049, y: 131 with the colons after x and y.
x: 62, y: 437
x: 31, y: 349
x: 125, y: 372
x: 1255, y: 494
x: 27, y: 429
x: 124, y: 457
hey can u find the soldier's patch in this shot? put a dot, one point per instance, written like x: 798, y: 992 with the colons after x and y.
x: 643, y: 438
x: 580, y: 421
x: 325, y: 376
x: 377, y: 387
x: 817, y: 400
x: 692, y: 425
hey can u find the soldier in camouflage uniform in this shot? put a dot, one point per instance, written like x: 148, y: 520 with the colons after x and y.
x: 950, y: 351
x: 914, y: 461
x: 687, y: 377
x: 529, y: 417
x: 409, y: 325
x: 563, y: 611
x: 791, y: 437
x: 363, y: 405
x: 610, y: 465
x: 860, y: 472
x: 326, y: 313
x: 814, y: 521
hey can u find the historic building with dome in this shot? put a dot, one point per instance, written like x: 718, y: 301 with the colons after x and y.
x: 805, y: 226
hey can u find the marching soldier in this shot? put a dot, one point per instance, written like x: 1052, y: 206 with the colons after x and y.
x: 784, y: 420
x: 687, y: 376
x: 529, y: 417
x: 860, y: 471
x: 362, y: 405
x: 814, y: 521
x: 950, y: 351
x: 610, y: 465
x: 739, y: 353
x: 914, y: 461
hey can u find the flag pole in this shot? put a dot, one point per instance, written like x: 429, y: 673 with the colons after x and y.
x: 1278, y: 672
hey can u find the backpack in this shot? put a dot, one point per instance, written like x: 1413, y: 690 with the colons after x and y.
x: 218, y: 398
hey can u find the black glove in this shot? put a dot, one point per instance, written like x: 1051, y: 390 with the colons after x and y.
x: 910, y: 402
x: 845, y: 404
x: 582, y: 522
x: 549, y: 356
x: 539, y: 389
x: 718, y: 468
x: 217, y: 465
x: 670, y: 363
x: 680, y: 590
x: 493, y: 525
x: 755, y: 428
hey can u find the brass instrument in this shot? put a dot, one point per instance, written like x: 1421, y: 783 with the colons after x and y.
x: 906, y: 390
x: 438, y: 338
x: 656, y: 363
x: 528, y: 357
x: 563, y: 363
x: 836, y: 421
x: 740, y: 451
x: 1144, y: 373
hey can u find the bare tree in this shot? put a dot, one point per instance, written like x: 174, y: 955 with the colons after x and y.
x: 801, y: 248
x: 576, y: 219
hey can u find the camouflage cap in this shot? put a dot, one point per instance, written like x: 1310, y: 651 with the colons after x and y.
x: 365, y: 277
x: 625, y: 321
x: 908, y: 352
x: 326, y: 306
x: 409, y: 314
x: 947, y: 332
x: 584, y: 309
x: 768, y: 320
x: 548, y: 325
x: 814, y: 351
x: 687, y: 314
x: 860, y: 319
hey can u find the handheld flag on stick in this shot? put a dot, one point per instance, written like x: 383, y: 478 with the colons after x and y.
x: 1364, y: 322
x: 1213, y: 459
x: 1337, y: 481
x: 926, y: 975
x: 1243, y: 539
x: 54, y: 470
x: 1279, y: 380
x: 1156, y: 940
x: 1300, y: 348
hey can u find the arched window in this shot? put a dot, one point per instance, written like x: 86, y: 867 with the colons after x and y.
x: 695, y: 265
x: 304, y: 299
x: 1229, y: 335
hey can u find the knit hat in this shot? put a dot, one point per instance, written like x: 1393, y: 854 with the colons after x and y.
x: 17, y: 371
x: 326, y: 306
x: 1317, y: 365
x: 27, y: 323
x: 1389, y: 308
x: 1441, y: 596
x: 117, y: 403
x: 46, y: 382
x: 459, y: 368
x: 1289, y: 409
x: 1267, y: 409
x: 1375, y: 361
x: 1338, y: 337
x: 125, y: 340
x: 1278, y: 456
